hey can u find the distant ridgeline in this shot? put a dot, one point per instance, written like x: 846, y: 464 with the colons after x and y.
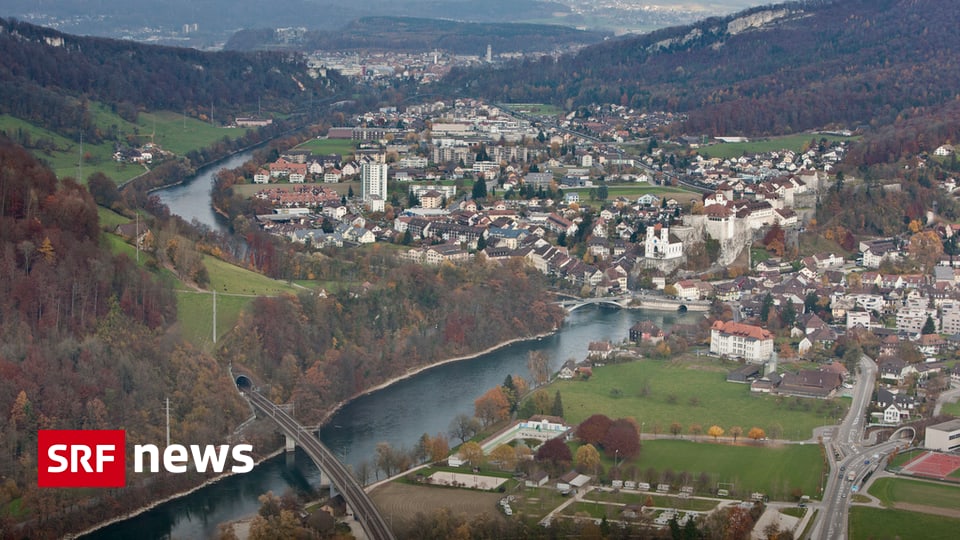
x: 768, y: 70
x: 405, y: 34
x: 48, y: 78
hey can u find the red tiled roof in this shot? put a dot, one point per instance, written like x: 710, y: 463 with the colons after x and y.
x: 744, y: 330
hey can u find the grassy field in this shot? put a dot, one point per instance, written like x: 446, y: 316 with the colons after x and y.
x: 951, y: 408
x: 537, y: 501
x: 773, y: 470
x: 789, y: 142
x: 343, y: 147
x: 881, y: 523
x: 65, y: 159
x: 195, y: 313
x: 904, y: 457
x: 812, y: 243
x: 172, y: 131
x: 542, y: 109
x: 236, y: 288
x: 893, y: 490
x: 109, y: 218
x: 179, y: 134
x: 227, y: 278
x: 689, y: 391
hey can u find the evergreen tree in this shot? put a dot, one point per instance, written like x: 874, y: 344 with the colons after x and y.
x: 479, y: 189
x: 557, y: 408
x: 765, y: 307
x: 482, y: 154
x: 929, y: 327
x: 788, y: 315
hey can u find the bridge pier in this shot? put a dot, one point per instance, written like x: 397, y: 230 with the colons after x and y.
x: 290, y: 443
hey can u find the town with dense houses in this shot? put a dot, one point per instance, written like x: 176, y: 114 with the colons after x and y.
x: 539, y: 186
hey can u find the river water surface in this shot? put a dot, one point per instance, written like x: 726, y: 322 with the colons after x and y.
x: 191, y: 199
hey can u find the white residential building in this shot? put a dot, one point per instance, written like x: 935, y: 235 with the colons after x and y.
x: 373, y: 180
x: 752, y: 343
x: 950, y: 318
x: 912, y: 319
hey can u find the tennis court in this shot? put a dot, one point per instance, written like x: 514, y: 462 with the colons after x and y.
x: 932, y: 465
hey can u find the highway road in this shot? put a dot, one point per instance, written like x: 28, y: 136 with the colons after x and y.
x: 363, y: 508
x: 847, y: 455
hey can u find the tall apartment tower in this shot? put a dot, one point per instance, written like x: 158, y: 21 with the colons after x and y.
x: 373, y: 181
x: 489, y: 53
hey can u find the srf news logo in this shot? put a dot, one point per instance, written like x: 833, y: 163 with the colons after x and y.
x: 97, y: 459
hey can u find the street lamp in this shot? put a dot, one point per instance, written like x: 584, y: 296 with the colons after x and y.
x: 616, y: 455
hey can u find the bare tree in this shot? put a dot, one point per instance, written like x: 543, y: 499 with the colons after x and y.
x: 464, y: 427
x: 539, y: 366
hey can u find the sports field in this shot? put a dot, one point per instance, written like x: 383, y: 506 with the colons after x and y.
x: 344, y: 147
x: 774, y: 470
x: 932, y: 465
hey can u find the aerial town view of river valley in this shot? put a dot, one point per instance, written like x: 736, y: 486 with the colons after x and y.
x: 431, y: 270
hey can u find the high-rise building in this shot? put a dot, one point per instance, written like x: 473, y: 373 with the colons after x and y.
x: 373, y: 181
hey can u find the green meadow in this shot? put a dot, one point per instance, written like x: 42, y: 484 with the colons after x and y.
x: 689, y: 391
x: 343, y: 147
x: 172, y: 131
x: 868, y: 523
x: 795, y: 142
x: 775, y: 470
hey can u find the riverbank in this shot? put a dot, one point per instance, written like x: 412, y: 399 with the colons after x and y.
x: 416, y: 371
x: 175, y: 496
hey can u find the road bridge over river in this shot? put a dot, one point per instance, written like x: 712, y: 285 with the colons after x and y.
x: 631, y: 301
x: 365, y: 512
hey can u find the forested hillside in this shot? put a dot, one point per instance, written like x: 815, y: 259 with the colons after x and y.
x: 781, y: 69
x: 319, y: 350
x: 419, y: 35
x: 85, y: 344
x: 48, y: 78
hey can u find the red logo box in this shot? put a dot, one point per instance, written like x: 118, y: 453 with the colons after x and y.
x: 81, y: 458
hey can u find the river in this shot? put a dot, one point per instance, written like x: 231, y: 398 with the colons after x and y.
x: 398, y: 414
x: 191, y: 199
